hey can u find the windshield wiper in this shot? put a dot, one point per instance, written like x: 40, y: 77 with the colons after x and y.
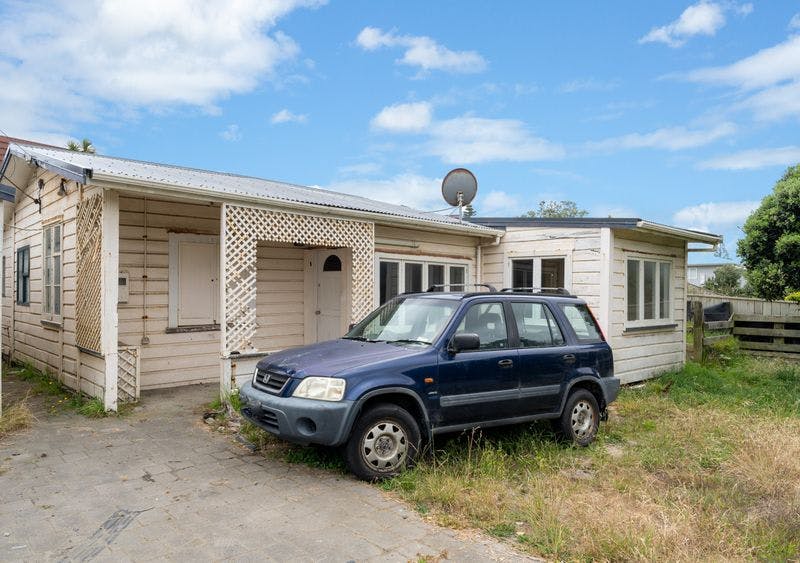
x: 359, y: 338
x: 406, y: 341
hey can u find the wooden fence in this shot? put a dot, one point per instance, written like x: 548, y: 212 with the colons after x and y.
x: 773, y: 335
x: 748, y: 305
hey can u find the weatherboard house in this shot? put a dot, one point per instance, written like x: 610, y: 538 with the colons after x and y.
x: 120, y: 275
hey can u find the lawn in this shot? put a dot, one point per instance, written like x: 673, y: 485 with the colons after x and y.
x: 700, y: 464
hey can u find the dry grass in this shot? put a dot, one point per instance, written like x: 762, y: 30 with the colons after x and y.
x: 672, y: 477
x: 16, y: 417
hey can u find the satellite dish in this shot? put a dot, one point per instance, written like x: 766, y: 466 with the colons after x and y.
x: 459, y: 187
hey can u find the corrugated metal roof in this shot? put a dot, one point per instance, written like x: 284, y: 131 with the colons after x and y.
x: 237, y: 187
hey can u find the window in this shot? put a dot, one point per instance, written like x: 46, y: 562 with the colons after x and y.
x: 51, y: 286
x: 488, y: 322
x: 193, y: 280
x: 332, y: 264
x: 396, y: 276
x: 539, y: 272
x: 582, y: 322
x: 648, y: 292
x: 536, y: 326
x: 24, y: 275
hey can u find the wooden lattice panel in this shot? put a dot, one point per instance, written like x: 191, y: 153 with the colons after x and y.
x: 245, y: 226
x: 128, y: 374
x: 88, y: 324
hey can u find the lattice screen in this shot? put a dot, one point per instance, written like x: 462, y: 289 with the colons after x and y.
x: 88, y: 325
x: 128, y: 374
x: 245, y: 226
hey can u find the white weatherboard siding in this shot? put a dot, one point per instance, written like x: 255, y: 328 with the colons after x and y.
x: 644, y: 354
x: 170, y: 358
x: 424, y: 244
x: 280, y: 297
x: 579, y: 247
x: 48, y: 347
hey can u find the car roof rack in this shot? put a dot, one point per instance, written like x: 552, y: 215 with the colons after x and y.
x: 462, y: 286
x: 546, y: 290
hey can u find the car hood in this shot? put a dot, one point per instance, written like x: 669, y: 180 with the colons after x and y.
x: 334, y: 357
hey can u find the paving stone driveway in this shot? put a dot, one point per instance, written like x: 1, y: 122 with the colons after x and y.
x: 157, y: 484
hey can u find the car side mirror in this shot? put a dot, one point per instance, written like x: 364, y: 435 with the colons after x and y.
x: 464, y: 341
x: 351, y: 326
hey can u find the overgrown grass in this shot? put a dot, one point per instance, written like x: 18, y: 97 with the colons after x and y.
x: 15, y: 417
x: 699, y: 464
x: 59, y: 397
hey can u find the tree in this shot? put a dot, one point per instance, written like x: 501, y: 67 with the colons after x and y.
x: 564, y: 208
x: 770, y: 249
x: 84, y: 146
x: 726, y: 280
x: 469, y: 211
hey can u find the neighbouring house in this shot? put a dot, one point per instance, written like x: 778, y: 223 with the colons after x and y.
x: 122, y: 275
x: 699, y: 274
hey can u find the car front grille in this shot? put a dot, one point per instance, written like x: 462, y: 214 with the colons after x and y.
x: 265, y: 417
x: 271, y: 381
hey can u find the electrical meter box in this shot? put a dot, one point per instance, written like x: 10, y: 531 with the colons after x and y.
x: 124, y: 283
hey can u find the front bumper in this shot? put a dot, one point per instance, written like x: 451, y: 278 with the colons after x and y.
x: 303, y: 421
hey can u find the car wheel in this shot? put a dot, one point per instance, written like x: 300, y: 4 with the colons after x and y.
x: 384, y: 441
x: 581, y: 418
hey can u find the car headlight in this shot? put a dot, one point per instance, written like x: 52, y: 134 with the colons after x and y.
x: 322, y: 388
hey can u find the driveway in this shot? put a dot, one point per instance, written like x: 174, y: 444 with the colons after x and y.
x: 158, y: 484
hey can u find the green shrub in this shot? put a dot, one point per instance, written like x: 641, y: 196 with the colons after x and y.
x: 793, y: 296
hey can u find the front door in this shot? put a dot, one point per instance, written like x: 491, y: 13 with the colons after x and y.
x: 331, y: 294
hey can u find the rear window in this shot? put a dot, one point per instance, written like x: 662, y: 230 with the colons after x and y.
x: 582, y: 322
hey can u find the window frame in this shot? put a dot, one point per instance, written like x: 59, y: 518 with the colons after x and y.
x: 48, y: 313
x: 537, y: 268
x: 657, y: 320
x: 512, y: 339
x: 551, y: 316
x: 22, y: 278
x: 402, y: 259
x: 175, y: 239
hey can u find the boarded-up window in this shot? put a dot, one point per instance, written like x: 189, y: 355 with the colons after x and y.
x: 193, y: 280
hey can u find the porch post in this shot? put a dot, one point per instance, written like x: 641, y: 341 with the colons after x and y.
x: 224, y: 361
x: 109, y: 291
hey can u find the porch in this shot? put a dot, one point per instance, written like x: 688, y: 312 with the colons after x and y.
x: 205, y: 289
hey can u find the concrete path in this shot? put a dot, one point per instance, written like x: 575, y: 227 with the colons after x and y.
x: 158, y: 485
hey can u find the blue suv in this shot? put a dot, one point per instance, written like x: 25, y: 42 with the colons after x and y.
x: 437, y: 362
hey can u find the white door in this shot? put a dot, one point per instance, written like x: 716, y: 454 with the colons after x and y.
x: 332, y: 290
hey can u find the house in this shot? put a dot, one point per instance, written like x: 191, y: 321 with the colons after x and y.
x: 699, y: 274
x: 124, y: 275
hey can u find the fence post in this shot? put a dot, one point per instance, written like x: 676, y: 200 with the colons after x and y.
x: 697, y: 330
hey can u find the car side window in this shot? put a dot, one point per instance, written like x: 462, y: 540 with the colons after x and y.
x: 536, y: 325
x: 488, y: 321
x: 583, y: 323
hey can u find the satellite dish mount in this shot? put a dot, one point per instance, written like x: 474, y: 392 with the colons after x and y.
x: 459, y: 188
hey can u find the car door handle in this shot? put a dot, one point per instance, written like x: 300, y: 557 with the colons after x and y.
x: 569, y: 359
x: 506, y: 363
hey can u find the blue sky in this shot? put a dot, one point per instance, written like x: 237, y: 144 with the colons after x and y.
x: 676, y: 112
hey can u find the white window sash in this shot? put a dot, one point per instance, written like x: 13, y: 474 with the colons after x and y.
x: 402, y: 260
x: 656, y: 320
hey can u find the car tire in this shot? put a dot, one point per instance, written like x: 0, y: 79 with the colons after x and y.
x: 384, y: 441
x: 580, y: 418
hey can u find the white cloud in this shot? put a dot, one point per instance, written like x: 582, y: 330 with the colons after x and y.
x: 361, y: 169
x: 765, y: 68
x: 65, y: 62
x: 231, y: 133
x: 754, y: 159
x: 413, y: 190
x: 710, y: 216
x: 404, y: 118
x: 611, y: 210
x: 422, y: 52
x: 286, y: 116
x: 498, y: 203
x: 668, y: 138
x: 469, y: 140
x: 588, y: 85
x: 703, y: 18
x: 794, y: 23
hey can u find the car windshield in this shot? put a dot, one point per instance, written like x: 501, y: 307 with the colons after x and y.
x: 405, y: 320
